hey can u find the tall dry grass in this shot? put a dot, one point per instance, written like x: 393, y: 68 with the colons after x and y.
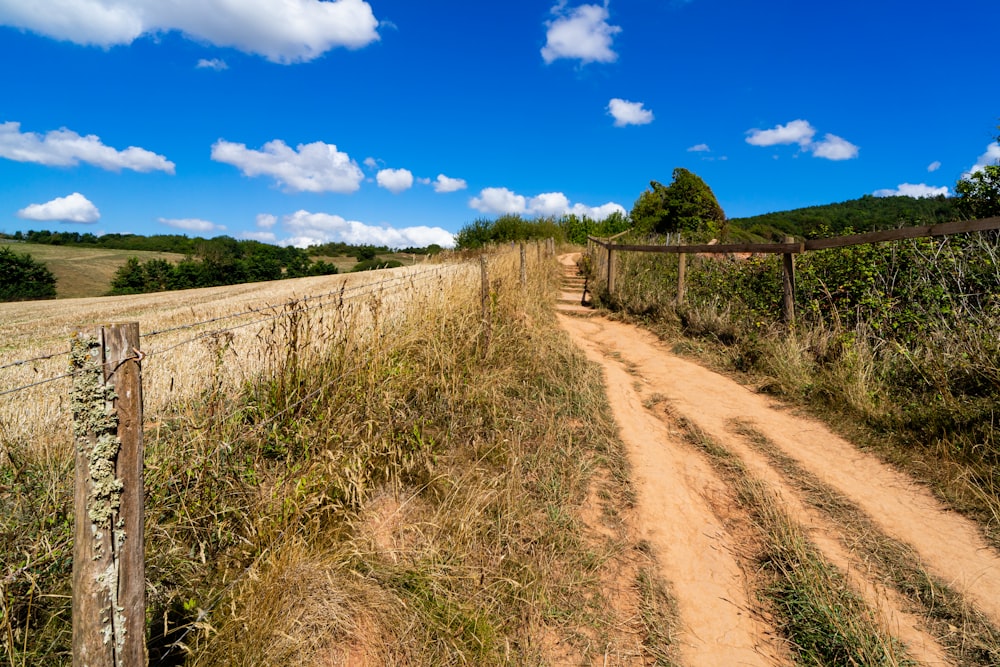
x: 367, y: 477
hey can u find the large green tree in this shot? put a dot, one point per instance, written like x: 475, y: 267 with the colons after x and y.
x: 686, y: 205
x: 979, y: 192
x: 22, y: 278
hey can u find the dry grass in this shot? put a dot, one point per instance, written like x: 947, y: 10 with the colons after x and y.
x: 368, y: 480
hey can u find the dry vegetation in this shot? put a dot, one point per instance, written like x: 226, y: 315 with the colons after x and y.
x: 341, y: 470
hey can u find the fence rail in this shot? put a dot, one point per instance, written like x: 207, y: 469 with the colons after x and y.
x: 605, y: 263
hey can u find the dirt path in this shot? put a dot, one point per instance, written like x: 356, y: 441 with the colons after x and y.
x: 683, y: 503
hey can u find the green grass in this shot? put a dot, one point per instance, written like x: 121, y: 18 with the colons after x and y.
x: 85, y: 272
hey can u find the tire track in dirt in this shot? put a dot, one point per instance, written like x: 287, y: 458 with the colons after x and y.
x: 949, y: 546
x: 674, y: 488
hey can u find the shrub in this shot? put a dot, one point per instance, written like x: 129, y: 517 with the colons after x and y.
x: 22, y: 278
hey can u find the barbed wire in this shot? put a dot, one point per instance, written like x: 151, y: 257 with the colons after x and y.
x: 35, y: 384
x: 24, y: 362
x: 369, y: 288
x: 343, y: 289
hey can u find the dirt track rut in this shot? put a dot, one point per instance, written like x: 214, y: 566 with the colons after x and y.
x: 682, y: 503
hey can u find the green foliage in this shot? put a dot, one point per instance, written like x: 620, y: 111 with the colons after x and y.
x: 868, y: 213
x: 569, y: 228
x: 979, y: 193
x: 24, y: 279
x: 686, y: 205
x: 224, y: 261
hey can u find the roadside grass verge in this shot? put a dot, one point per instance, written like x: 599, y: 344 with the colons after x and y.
x: 944, y: 610
x: 824, y: 621
x: 392, y: 480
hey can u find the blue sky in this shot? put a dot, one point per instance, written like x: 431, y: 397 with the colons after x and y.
x: 397, y: 122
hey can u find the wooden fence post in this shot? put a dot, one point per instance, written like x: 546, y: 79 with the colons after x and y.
x: 788, y: 285
x: 681, y: 271
x: 611, y: 271
x: 109, y: 583
x: 524, y: 266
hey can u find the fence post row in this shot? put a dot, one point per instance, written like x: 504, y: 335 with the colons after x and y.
x: 524, y: 266
x: 109, y: 603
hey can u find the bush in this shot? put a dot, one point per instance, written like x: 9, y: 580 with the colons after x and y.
x: 24, y: 279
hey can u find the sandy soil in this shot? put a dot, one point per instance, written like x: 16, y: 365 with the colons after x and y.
x: 683, y: 504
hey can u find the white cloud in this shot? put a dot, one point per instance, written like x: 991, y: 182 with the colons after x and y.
x: 215, y: 63
x: 913, y: 190
x: 395, y: 180
x: 991, y: 156
x: 314, y: 228
x: 192, y: 224
x: 834, y: 148
x: 796, y: 132
x: 801, y: 132
x: 501, y: 200
x: 933, y: 166
x: 371, y: 163
x: 283, y: 31
x: 65, y: 148
x: 315, y: 167
x: 629, y: 113
x: 71, y: 208
x: 581, y: 33
x: 445, y: 184
x: 266, y: 220
x: 699, y: 148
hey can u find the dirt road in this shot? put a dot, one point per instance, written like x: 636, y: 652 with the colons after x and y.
x: 688, y: 511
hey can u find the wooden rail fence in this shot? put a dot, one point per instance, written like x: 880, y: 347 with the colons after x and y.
x: 606, y: 263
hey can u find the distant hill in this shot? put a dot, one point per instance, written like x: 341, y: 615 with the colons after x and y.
x: 859, y: 215
x: 81, y: 271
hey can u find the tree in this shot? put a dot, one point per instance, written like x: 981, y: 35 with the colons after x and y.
x: 979, y: 191
x: 686, y: 205
x: 22, y: 278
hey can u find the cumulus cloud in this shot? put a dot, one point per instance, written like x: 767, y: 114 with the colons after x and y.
x: 71, y: 208
x: 266, y: 220
x: 991, y: 156
x: 308, y: 229
x: 801, y: 132
x: 699, y: 148
x: 263, y: 237
x: 933, y: 166
x: 445, y: 184
x: 796, y: 132
x: 501, y: 200
x: 833, y: 147
x: 215, y: 63
x: 581, y: 33
x: 629, y: 113
x: 395, y: 180
x: 283, y: 31
x: 917, y: 190
x: 371, y: 163
x: 315, y: 167
x: 65, y: 148
x: 192, y: 224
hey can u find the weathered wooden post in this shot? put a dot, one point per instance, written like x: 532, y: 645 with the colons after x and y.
x: 611, y: 270
x: 681, y: 272
x: 788, y: 285
x: 524, y: 266
x: 487, y: 323
x: 109, y: 594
